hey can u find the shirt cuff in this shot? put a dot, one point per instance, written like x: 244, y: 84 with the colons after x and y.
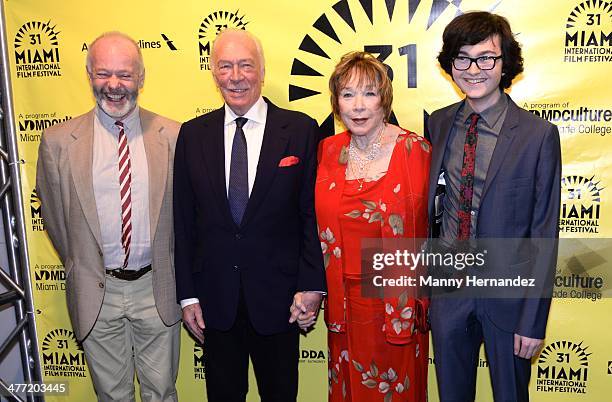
x: 187, y: 302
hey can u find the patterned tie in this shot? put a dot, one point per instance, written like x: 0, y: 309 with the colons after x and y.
x: 125, y: 183
x: 238, y: 193
x: 466, y: 191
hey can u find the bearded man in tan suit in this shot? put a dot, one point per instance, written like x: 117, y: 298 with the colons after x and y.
x: 105, y: 184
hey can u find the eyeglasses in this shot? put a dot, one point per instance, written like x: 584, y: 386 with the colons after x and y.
x: 463, y: 63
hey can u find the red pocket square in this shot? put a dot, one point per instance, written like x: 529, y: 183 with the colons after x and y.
x: 289, y: 161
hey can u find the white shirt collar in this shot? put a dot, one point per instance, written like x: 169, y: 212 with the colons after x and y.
x: 256, y: 113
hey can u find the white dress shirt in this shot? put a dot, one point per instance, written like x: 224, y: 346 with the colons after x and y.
x: 254, y: 133
x: 105, y: 170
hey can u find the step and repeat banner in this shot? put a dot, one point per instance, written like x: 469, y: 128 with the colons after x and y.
x: 567, y: 46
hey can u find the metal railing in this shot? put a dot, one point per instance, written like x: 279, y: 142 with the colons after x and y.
x: 17, y: 280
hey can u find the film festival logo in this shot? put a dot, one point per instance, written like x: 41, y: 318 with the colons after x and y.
x: 210, y: 27
x: 581, y: 204
x: 37, y: 52
x: 588, y: 33
x: 37, y: 222
x: 378, y: 27
x: 62, y: 355
x: 198, y: 362
x: 563, y: 367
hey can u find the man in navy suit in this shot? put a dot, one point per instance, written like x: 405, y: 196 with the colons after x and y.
x: 501, y: 166
x: 247, y: 255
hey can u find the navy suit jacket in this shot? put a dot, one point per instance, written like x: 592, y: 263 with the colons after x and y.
x: 520, y: 199
x: 275, y: 251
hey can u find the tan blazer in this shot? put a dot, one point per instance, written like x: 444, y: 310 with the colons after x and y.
x: 65, y: 186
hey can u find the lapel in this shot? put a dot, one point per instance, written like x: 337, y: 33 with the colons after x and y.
x: 80, y: 155
x: 439, y: 139
x: 502, y: 147
x: 272, y: 149
x: 213, y: 151
x: 156, y: 150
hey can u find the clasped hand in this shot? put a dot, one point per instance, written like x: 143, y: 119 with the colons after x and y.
x: 305, y: 308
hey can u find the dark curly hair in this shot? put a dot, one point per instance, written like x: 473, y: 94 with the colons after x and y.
x: 474, y: 27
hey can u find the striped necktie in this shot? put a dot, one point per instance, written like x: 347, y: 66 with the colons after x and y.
x: 125, y: 183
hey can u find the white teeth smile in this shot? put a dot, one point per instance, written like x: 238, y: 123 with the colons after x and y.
x: 475, y: 80
x: 114, y: 97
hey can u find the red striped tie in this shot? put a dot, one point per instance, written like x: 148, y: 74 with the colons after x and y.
x: 125, y: 182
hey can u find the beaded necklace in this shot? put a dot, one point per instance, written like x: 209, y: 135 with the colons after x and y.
x: 359, y: 166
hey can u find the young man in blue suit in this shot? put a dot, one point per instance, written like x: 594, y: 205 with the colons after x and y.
x: 502, y: 171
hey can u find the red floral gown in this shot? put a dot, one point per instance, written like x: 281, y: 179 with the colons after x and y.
x: 378, y: 347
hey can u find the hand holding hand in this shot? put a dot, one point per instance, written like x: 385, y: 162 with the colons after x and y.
x: 305, y: 308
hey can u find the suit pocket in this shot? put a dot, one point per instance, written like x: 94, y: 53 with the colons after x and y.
x: 514, y: 197
x: 515, y: 183
x: 521, y: 181
x: 520, y: 266
x: 287, y: 170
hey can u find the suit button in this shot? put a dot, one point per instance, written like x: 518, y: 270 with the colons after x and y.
x: 101, y: 285
x: 236, y: 267
x: 473, y: 213
x: 100, y: 253
x: 238, y: 236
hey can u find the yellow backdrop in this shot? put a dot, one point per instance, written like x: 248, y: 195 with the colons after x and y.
x: 567, y: 51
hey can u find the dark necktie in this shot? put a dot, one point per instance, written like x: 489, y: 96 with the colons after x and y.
x: 466, y: 190
x: 238, y: 193
x: 125, y: 191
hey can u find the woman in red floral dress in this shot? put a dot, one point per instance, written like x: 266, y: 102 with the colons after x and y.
x: 371, y: 183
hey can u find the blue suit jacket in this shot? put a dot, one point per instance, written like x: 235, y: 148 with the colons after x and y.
x: 520, y: 199
x: 275, y: 251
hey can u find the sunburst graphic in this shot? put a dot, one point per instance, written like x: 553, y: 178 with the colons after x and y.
x: 35, y: 34
x: 399, y: 33
x: 61, y: 340
x: 198, y: 362
x: 591, y: 15
x: 198, y: 351
x: 34, y: 200
x: 218, y: 21
x: 580, y: 188
x: 576, y: 354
